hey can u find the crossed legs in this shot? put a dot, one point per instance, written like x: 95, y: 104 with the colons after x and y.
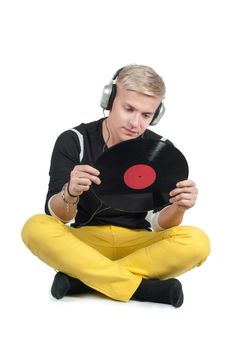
x: 114, y: 260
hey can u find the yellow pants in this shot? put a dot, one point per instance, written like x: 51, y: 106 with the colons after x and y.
x: 112, y: 259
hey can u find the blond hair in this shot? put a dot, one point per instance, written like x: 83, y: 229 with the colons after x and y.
x: 142, y: 79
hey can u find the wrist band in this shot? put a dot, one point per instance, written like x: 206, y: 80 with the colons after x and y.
x: 67, y: 203
x: 69, y: 193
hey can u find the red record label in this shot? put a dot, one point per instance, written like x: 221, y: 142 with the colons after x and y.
x: 139, y: 176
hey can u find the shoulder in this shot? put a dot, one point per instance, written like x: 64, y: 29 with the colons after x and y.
x: 67, y: 138
x: 77, y: 138
x: 77, y: 133
x: 84, y: 128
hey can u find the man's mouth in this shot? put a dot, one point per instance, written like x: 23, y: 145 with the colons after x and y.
x: 130, y: 132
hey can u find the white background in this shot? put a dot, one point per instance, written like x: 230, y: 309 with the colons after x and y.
x: 56, y: 56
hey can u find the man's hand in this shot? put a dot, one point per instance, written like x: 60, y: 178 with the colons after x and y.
x: 81, y: 179
x: 184, y: 195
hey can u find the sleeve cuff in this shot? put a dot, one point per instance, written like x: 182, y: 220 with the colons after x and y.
x: 53, y: 214
x: 154, y: 220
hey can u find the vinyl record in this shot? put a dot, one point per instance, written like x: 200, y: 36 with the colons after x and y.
x: 137, y: 175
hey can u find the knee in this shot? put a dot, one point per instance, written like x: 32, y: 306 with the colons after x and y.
x: 199, y: 244
x: 32, y: 228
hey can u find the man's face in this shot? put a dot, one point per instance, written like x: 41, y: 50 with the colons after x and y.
x: 131, y: 114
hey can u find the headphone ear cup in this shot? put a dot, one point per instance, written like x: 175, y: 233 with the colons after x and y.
x: 158, y: 114
x: 111, y: 98
x: 106, y: 95
x: 109, y: 92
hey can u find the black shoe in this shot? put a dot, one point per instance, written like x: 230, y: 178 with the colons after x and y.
x: 66, y: 285
x: 157, y: 291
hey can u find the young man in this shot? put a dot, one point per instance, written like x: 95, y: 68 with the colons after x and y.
x: 107, y: 250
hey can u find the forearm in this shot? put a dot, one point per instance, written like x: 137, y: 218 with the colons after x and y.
x: 60, y: 207
x: 171, y: 216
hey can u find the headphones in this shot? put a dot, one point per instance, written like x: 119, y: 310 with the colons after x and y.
x: 109, y: 93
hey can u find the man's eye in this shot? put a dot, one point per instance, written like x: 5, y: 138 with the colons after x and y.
x: 129, y: 109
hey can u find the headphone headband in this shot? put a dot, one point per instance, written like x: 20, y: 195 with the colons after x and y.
x: 117, y: 73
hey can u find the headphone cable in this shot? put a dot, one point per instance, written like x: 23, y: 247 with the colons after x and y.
x: 108, y: 137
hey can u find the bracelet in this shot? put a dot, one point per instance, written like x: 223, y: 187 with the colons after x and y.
x: 67, y: 203
x: 69, y: 193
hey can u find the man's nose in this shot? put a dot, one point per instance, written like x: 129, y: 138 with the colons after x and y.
x: 134, y: 121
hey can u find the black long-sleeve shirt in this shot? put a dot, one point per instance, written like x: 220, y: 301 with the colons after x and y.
x: 83, y: 145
